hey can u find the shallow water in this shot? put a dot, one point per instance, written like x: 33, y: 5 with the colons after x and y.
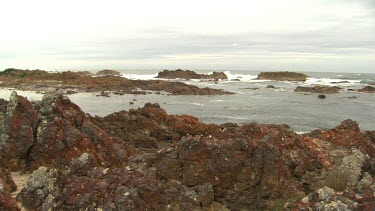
x: 302, y: 112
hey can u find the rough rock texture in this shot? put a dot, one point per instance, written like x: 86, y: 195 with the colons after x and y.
x: 6, y: 187
x: 188, y: 74
x: 146, y: 159
x: 368, y: 89
x: 51, y: 134
x: 319, y: 89
x: 108, y: 73
x: 282, y: 76
x: 65, y: 82
x: 327, y: 199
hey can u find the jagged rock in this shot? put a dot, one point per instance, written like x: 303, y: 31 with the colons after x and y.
x: 42, y: 190
x: 7, y: 186
x: 53, y: 135
x: 18, y: 126
x: 319, y: 89
x: 187, y: 74
x: 282, y: 76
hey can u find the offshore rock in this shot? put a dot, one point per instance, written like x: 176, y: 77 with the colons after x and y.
x: 319, y: 89
x: 188, y: 74
x: 108, y: 73
x: 368, y: 89
x: 38, y: 80
x: 282, y: 76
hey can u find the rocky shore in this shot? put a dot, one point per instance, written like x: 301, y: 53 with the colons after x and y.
x: 147, y: 159
x: 72, y: 82
x: 188, y: 74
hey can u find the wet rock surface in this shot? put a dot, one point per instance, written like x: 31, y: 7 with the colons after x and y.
x: 282, y: 76
x: 319, y: 89
x: 147, y: 159
x: 39, y: 80
x: 188, y: 74
x: 368, y: 89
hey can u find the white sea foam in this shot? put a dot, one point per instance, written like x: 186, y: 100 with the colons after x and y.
x: 241, y: 77
x: 198, y: 104
x: 140, y: 77
x: 330, y: 82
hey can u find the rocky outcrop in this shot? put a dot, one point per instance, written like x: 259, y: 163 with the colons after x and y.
x: 282, y: 76
x: 52, y: 133
x: 368, y: 89
x: 147, y: 159
x: 319, y: 89
x: 64, y: 82
x: 108, y: 73
x: 7, y: 186
x: 188, y: 74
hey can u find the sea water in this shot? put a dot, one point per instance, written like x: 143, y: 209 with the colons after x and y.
x: 303, y: 112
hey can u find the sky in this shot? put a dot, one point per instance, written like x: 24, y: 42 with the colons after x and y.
x: 272, y: 35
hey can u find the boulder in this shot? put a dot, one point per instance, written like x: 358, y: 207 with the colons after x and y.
x: 282, y: 76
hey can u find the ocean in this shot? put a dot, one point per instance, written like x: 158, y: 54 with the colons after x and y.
x: 303, y: 112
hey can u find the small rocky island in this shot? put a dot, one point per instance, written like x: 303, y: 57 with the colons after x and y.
x: 188, y: 74
x: 319, y: 89
x: 68, y: 81
x: 282, y: 76
x: 146, y: 159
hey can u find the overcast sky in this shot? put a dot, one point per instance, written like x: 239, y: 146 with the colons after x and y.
x: 295, y: 35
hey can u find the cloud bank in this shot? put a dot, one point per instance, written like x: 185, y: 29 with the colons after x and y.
x: 335, y: 35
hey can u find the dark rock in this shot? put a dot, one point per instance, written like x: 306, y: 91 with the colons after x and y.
x: 108, y: 73
x: 271, y: 87
x: 282, y: 76
x: 187, y: 74
x: 321, y: 96
x: 319, y: 89
x: 368, y: 89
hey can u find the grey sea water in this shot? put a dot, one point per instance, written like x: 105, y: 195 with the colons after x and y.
x: 301, y: 111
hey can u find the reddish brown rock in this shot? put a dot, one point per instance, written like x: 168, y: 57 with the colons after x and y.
x: 282, y: 76
x: 39, y: 80
x: 53, y: 135
x: 7, y: 186
x: 181, y: 163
